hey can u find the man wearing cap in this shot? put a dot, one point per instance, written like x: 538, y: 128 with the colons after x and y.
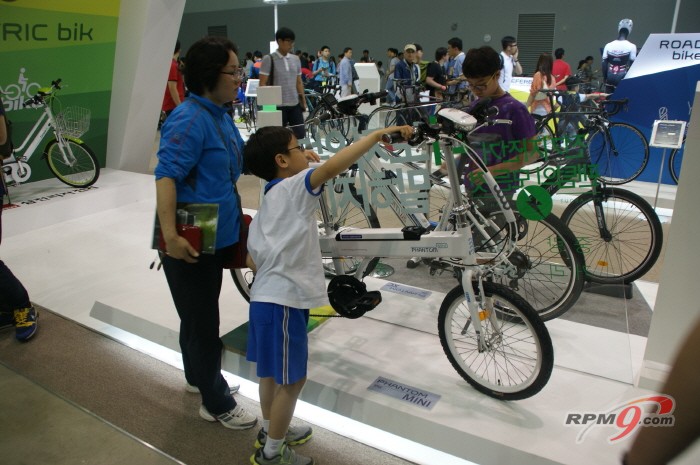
x: 407, y: 72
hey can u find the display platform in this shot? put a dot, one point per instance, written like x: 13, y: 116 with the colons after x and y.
x: 86, y: 256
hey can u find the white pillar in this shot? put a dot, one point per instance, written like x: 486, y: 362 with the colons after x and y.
x: 677, y: 305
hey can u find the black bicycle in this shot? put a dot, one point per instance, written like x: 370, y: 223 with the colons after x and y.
x: 620, y: 150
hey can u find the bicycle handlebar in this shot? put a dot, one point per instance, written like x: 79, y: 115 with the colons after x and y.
x: 38, y: 98
x: 450, y: 121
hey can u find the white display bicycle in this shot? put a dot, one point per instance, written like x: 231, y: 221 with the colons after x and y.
x: 69, y: 159
x: 494, y: 339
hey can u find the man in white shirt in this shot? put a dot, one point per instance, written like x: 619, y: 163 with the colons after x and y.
x: 511, y: 65
x: 283, y: 68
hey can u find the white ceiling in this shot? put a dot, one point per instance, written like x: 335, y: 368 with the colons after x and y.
x: 200, y: 6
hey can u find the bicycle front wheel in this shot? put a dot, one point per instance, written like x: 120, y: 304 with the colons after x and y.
x: 630, y: 242
x: 73, y: 163
x: 517, y: 357
x: 620, y: 151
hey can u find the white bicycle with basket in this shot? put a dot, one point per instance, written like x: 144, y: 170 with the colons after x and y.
x: 70, y: 159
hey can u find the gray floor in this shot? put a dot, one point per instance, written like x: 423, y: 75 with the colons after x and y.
x: 40, y: 427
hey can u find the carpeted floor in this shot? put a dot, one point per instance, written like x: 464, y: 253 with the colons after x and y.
x: 146, y: 398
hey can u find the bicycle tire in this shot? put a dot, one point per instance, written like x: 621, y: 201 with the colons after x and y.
x: 381, y: 117
x: 675, y: 160
x: 243, y: 279
x: 81, y: 169
x: 330, y: 129
x: 620, y: 157
x: 518, y: 359
x: 549, y: 265
x: 635, y: 239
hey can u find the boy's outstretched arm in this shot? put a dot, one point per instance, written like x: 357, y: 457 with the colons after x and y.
x: 353, y: 152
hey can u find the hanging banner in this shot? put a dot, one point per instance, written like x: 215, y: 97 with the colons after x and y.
x: 660, y: 85
x: 45, y: 40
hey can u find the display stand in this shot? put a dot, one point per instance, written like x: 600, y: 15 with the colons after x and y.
x: 620, y: 291
x: 666, y: 134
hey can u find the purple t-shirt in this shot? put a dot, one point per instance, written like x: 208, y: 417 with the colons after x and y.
x: 502, y: 142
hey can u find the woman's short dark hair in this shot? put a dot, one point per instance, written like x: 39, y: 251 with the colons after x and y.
x: 262, y: 147
x: 205, y: 59
x: 440, y: 52
x: 481, y: 62
x: 284, y: 33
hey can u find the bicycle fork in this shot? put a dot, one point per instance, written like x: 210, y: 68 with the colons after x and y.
x: 480, y: 310
x: 600, y: 217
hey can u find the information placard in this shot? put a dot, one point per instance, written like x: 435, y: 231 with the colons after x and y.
x: 667, y: 134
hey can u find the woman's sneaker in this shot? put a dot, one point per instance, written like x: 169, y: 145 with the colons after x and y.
x: 236, y: 418
x: 25, y: 323
x: 286, y: 456
x: 296, y: 435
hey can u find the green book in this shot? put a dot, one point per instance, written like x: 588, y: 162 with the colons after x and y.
x: 203, y: 215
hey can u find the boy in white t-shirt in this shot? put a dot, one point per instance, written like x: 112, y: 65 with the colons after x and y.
x: 283, y: 246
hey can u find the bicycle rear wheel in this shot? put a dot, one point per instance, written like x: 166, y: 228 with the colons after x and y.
x: 518, y: 357
x: 73, y: 163
x: 546, y: 268
x: 621, y: 152
x: 631, y: 242
x: 674, y: 164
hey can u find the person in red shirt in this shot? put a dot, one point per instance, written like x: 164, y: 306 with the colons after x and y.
x: 561, y: 69
x: 175, y: 90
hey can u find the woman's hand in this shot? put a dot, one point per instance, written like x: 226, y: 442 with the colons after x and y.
x: 180, y: 248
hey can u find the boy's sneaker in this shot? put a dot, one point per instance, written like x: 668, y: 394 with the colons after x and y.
x: 286, y: 456
x: 236, y: 418
x: 296, y: 435
x: 25, y: 323
x: 233, y: 388
x: 7, y: 319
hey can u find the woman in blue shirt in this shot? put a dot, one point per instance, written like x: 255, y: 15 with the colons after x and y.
x: 199, y: 161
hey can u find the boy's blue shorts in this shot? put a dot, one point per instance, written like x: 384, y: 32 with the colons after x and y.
x: 277, y: 341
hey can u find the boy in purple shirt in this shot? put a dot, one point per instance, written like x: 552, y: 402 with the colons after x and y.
x: 505, y: 148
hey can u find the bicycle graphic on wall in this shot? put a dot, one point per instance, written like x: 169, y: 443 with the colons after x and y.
x: 70, y: 159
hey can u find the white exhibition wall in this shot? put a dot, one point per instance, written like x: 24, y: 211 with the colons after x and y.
x: 146, y: 38
x: 677, y: 304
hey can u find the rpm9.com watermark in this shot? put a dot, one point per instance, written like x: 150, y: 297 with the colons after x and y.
x: 624, y: 419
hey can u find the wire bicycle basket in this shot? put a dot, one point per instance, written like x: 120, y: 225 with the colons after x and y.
x: 73, y: 121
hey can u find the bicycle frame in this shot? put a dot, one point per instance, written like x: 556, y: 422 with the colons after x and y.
x: 16, y: 168
x: 409, y: 242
